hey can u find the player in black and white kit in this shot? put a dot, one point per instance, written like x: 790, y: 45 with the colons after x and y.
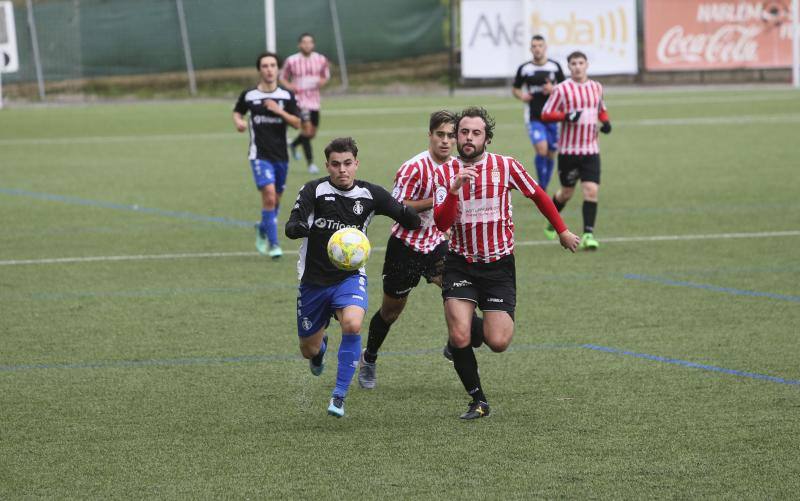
x: 271, y: 109
x: 324, y: 206
x: 533, y: 84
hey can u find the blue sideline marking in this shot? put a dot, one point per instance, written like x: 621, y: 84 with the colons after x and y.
x: 692, y: 365
x: 132, y: 208
x: 168, y: 362
x: 714, y: 288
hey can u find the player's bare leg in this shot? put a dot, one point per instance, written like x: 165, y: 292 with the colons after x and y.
x: 590, y: 193
x: 313, y: 349
x: 498, y: 329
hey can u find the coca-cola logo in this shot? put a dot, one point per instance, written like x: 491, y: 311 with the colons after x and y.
x: 730, y: 43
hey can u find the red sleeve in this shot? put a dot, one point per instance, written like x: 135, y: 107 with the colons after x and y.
x: 603, y: 115
x: 444, y: 214
x: 552, y: 110
x: 548, y: 210
x: 521, y: 180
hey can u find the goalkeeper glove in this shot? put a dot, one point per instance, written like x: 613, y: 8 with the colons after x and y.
x: 573, y: 116
x: 606, y: 128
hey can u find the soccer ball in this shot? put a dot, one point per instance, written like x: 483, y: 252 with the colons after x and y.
x: 348, y: 249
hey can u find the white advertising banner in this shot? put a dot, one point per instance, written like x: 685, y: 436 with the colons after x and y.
x: 9, y: 59
x: 495, y: 34
x: 493, y: 38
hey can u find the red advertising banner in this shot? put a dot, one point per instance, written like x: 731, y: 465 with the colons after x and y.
x: 708, y: 35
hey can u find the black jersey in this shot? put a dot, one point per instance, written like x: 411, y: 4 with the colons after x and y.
x: 321, y: 209
x: 531, y: 77
x: 267, y: 130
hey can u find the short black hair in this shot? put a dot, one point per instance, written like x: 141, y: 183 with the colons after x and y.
x: 537, y: 37
x: 575, y: 54
x: 341, y: 145
x: 268, y: 54
x: 479, y: 112
x: 438, y: 118
x: 303, y: 35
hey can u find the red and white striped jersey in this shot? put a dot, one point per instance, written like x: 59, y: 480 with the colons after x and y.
x: 305, y: 72
x: 414, y: 181
x: 483, y: 229
x: 578, y: 138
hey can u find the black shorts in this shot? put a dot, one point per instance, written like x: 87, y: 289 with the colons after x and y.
x: 492, y: 286
x: 404, y: 266
x: 311, y: 116
x: 574, y: 167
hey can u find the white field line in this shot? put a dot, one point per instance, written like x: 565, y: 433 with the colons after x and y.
x: 647, y: 122
x: 204, y: 255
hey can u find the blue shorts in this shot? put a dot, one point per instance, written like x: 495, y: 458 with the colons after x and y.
x: 317, y: 303
x: 541, y: 131
x: 266, y: 172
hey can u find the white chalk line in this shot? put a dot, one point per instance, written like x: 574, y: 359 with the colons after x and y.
x: 207, y: 255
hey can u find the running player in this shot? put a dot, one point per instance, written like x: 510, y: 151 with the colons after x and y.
x: 322, y: 207
x: 271, y: 109
x: 473, y: 197
x: 305, y: 73
x: 578, y: 103
x: 413, y: 254
x: 533, y: 84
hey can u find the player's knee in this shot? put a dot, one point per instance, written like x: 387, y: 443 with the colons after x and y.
x: 590, y: 191
x: 351, y: 324
x: 459, y: 338
x: 498, y: 346
x: 308, y: 350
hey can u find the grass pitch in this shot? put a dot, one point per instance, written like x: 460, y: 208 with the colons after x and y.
x: 147, y: 351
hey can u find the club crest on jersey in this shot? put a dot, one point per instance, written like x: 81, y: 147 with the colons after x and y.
x: 358, y: 209
x: 495, y: 175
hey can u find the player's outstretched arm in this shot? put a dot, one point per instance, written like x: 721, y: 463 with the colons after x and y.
x: 297, y: 225
x: 386, y: 205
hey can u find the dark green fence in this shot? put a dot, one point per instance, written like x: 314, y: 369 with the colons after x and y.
x: 95, y: 38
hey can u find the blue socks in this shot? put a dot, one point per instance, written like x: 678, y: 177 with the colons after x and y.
x: 543, y: 170
x: 269, y: 225
x: 349, y: 353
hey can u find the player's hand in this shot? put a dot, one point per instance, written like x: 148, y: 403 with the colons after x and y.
x: 272, y: 106
x: 573, y: 116
x: 463, y: 176
x: 606, y: 128
x: 241, y: 125
x: 569, y: 240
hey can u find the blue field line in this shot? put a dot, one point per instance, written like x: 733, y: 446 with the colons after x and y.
x: 131, y: 208
x: 714, y: 288
x: 173, y: 362
x: 692, y: 365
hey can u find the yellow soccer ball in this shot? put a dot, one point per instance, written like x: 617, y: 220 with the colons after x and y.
x: 348, y: 249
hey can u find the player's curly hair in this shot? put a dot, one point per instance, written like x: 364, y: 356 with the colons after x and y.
x: 268, y: 54
x: 479, y: 112
x: 439, y: 118
x: 341, y: 145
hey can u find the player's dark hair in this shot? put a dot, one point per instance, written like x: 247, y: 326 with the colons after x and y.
x: 479, y: 112
x: 439, y: 118
x: 303, y: 35
x: 575, y: 54
x: 341, y: 145
x: 268, y: 54
x: 537, y: 37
